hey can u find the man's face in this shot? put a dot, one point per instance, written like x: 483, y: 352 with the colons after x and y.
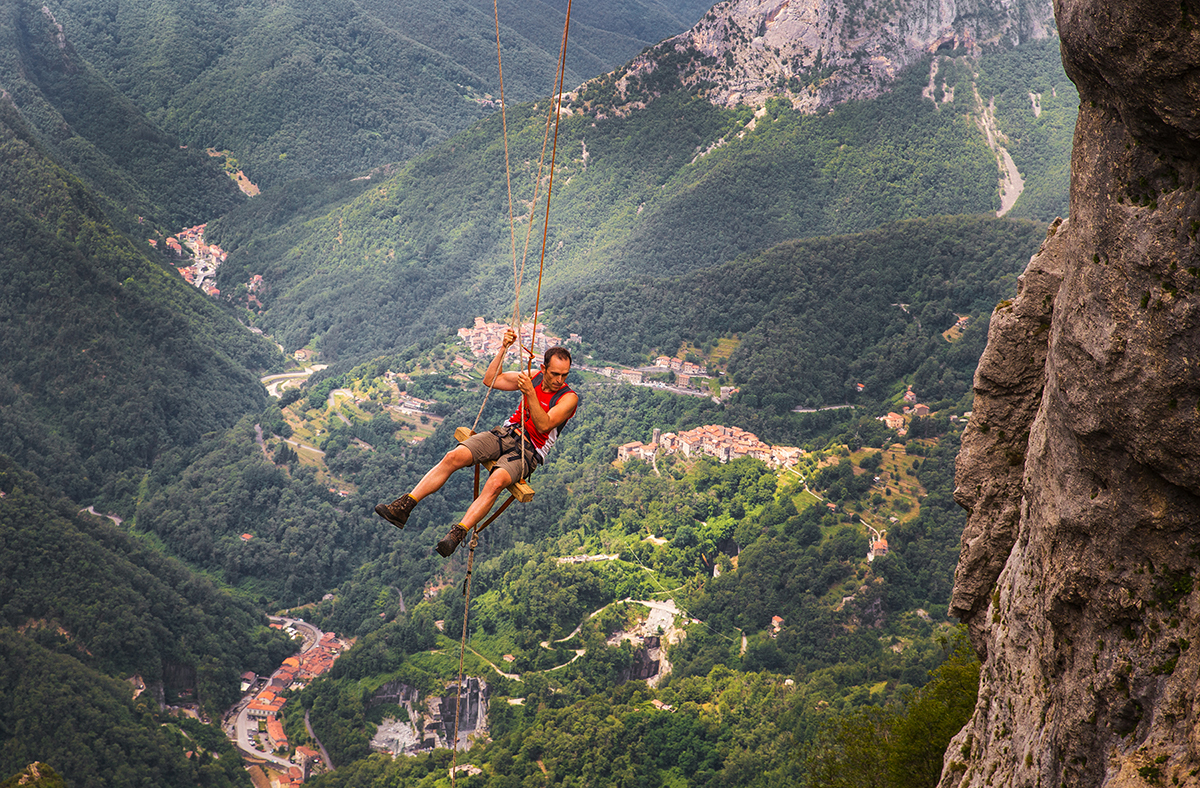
x: 554, y: 374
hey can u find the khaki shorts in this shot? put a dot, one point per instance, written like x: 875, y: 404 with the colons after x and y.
x: 503, y: 444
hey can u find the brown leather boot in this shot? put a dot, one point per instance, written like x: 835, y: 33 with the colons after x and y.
x: 397, y: 511
x: 452, y: 540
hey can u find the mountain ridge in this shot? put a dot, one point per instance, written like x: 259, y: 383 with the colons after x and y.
x: 296, y: 90
x: 820, y: 53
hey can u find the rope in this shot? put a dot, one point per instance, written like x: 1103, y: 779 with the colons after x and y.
x: 556, y: 112
x: 562, y: 67
x: 512, y: 228
x: 518, y: 276
x: 555, y: 117
x: 461, y: 656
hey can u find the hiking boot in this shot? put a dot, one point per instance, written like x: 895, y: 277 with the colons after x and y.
x: 450, y: 543
x: 397, y: 511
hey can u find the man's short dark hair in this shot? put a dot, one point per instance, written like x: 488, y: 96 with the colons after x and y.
x: 557, y: 350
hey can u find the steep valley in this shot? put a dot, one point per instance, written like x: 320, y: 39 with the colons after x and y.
x: 794, y: 203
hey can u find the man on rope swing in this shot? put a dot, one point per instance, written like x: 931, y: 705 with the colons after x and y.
x: 548, y: 404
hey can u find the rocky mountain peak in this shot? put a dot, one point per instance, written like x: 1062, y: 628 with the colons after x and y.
x: 1079, y: 468
x: 818, y: 53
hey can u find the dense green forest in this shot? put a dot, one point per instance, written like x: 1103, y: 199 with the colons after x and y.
x: 146, y: 184
x: 852, y: 638
x: 830, y: 307
x: 728, y: 728
x: 856, y: 638
x: 87, y: 606
x: 650, y: 194
x: 864, y: 309
x: 110, y: 357
x: 299, y: 90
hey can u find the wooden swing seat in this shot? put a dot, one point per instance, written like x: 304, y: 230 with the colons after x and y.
x: 519, y: 489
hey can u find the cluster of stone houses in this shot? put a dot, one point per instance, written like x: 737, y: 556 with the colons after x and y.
x: 208, y: 258
x: 413, y: 406
x: 724, y: 443
x: 638, y: 378
x: 485, y: 339
x: 679, y: 365
x: 295, y: 672
x: 912, y: 408
x: 253, y: 288
x: 634, y: 376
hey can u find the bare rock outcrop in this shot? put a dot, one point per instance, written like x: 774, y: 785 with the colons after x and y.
x: 1081, y: 464
x: 819, y: 53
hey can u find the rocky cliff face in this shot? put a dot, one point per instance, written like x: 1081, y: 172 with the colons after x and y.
x: 817, y: 53
x: 1081, y: 464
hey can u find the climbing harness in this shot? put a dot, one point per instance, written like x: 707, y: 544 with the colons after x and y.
x: 519, y: 489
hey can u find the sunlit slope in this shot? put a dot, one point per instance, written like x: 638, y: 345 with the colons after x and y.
x: 415, y: 254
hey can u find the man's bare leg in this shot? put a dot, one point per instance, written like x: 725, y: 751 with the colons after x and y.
x: 497, y: 481
x: 455, y: 460
x: 397, y: 511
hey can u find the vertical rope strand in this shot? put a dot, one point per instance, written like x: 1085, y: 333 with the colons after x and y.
x: 556, y: 115
x: 556, y: 112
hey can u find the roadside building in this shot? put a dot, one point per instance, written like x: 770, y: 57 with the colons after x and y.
x: 275, y: 734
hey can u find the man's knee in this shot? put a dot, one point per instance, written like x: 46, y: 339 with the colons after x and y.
x: 498, y: 480
x: 458, y: 457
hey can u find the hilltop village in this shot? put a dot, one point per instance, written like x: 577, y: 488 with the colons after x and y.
x: 484, y: 339
x: 724, y: 443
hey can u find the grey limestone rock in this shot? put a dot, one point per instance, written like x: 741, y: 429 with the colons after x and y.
x: 820, y: 53
x: 1081, y: 464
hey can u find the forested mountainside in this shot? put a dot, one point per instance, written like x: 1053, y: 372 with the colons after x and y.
x: 146, y: 183
x: 818, y: 318
x: 298, y: 90
x: 109, y: 356
x: 854, y: 637
x: 791, y: 654
x: 87, y: 606
x: 677, y: 186
x: 831, y: 309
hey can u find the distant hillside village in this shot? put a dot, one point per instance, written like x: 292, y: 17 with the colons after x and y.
x: 485, y: 339
x: 202, y: 273
x: 724, y: 443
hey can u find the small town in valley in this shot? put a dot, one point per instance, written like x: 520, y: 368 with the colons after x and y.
x: 255, y: 724
x: 206, y: 258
